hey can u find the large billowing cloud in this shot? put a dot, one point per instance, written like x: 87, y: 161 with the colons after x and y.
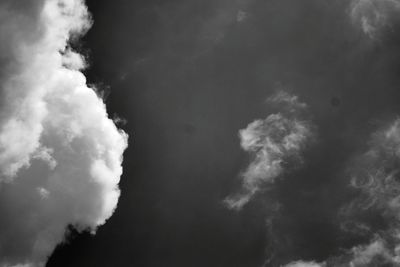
x: 60, y: 154
x: 374, y: 213
x: 374, y: 16
x: 272, y: 143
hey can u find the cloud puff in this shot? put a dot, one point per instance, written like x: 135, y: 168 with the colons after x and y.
x: 374, y: 254
x: 60, y: 154
x: 271, y: 143
x: 374, y: 16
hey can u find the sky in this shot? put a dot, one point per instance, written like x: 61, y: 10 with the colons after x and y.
x: 185, y: 133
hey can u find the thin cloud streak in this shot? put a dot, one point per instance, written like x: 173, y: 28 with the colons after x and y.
x: 374, y: 16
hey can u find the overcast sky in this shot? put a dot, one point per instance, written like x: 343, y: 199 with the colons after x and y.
x: 188, y: 133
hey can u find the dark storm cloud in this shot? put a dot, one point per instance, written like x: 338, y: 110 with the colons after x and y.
x: 60, y: 154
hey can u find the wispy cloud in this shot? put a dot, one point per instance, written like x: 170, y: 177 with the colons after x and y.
x: 60, y: 154
x: 272, y: 142
x: 374, y: 175
x: 374, y: 16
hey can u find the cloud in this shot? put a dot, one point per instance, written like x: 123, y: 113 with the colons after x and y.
x: 374, y: 16
x: 304, y: 264
x: 375, y: 178
x: 271, y: 143
x: 375, y: 174
x: 225, y: 15
x: 241, y: 16
x: 374, y: 253
x: 60, y: 154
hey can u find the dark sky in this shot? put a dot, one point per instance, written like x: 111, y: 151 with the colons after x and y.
x: 187, y: 75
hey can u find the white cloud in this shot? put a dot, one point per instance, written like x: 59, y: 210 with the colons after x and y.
x: 305, y: 264
x: 363, y: 255
x: 270, y: 143
x: 60, y: 154
x: 373, y: 16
